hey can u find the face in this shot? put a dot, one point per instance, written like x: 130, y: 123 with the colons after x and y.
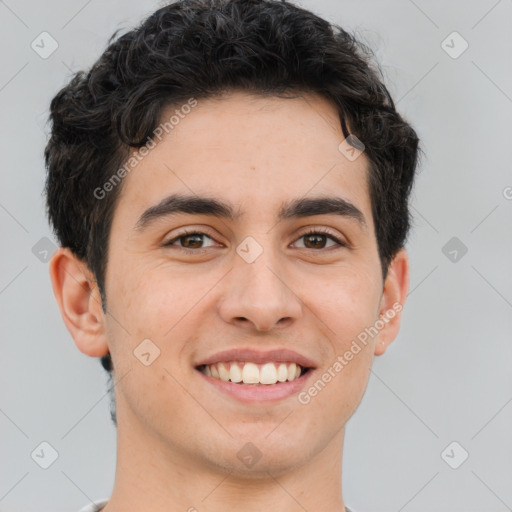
x: 278, y: 280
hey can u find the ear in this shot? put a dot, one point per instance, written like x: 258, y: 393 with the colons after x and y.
x: 78, y: 297
x: 396, y: 287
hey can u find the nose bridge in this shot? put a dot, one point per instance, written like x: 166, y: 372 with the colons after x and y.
x: 257, y: 291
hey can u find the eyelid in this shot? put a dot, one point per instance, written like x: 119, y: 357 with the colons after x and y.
x: 308, y: 230
x: 342, y: 241
x: 187, y: 232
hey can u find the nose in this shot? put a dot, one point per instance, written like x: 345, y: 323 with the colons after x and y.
x: 259, y: 295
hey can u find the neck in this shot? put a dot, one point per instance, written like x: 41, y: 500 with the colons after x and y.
x: 152, y: 476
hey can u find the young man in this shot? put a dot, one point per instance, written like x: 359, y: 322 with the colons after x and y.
x: 229, y: 185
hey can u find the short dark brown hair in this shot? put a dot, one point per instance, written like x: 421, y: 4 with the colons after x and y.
x: 203, y: 48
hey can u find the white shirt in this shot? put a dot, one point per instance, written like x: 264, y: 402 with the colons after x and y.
x: 94, y: 507
x: 97, y: 506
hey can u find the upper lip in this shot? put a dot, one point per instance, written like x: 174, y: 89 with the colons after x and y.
x: 282, y: 355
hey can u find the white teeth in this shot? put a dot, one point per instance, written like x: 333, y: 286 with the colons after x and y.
x: 268, y: 374
x: 251, y: 373
x: 223, y: 371
x: 235, y: 374
x: 291, y: 371
x: 282, y: 372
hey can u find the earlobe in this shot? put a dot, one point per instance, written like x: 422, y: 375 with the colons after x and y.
x: 395, y: 292
x: 78, y: 297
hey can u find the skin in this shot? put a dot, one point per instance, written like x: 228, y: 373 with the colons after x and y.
x: 178, y: 437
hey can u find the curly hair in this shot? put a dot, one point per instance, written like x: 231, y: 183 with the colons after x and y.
x: 201, y: 49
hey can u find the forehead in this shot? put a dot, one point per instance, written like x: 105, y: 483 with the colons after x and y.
x: 249, y: 150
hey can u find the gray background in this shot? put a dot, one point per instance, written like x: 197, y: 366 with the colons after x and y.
x: 447, y: 376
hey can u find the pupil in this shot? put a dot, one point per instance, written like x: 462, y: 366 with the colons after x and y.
x: 187, y: 237
x: 317, y: 238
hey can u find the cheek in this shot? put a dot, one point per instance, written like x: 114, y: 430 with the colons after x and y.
x: 157, y: 305
x: 347, y: 301
x: 152, y: 301
x: 347, y: 304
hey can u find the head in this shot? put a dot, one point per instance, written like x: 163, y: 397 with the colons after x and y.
x: 248, y: 104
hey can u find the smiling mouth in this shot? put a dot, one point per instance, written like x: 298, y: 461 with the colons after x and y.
x: 247, y: 373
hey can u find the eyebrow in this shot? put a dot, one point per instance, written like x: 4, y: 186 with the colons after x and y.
x: 195, y: 205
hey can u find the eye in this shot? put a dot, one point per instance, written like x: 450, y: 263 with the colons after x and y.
x: 189, y: 240
x: 193, y: 241
x: 316, y: 238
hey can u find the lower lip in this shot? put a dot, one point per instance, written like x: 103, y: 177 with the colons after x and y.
x: 260, y: 392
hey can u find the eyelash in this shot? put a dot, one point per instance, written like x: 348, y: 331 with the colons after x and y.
x: 312, y: 231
